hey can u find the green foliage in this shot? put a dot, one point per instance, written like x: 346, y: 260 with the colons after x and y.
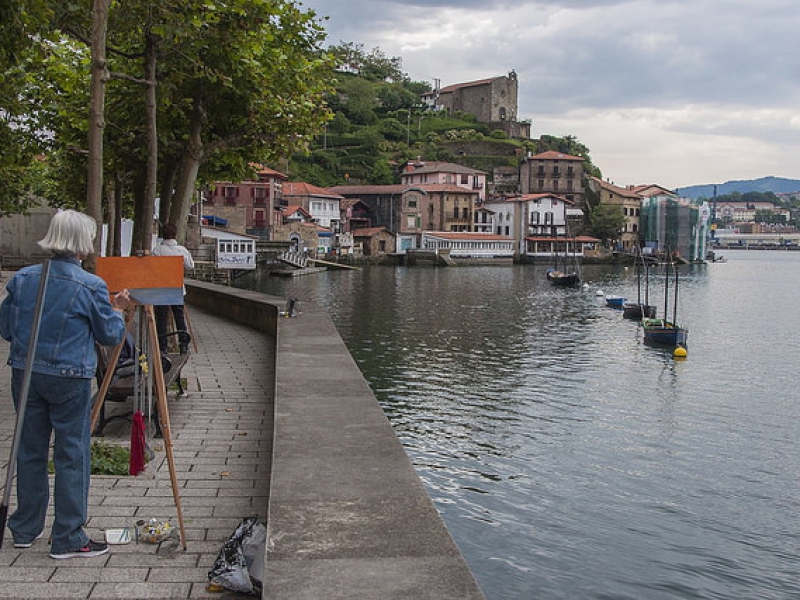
x: 106, y: 459
x: 110, y: 460
x: 606, y: 222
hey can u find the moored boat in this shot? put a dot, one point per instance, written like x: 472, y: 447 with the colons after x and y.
x: 663, y: 332
x: 560, y: 278
x: 638, y: 311
x: 615, y: 301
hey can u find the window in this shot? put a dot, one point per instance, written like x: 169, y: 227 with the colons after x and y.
x: 464, y: 179
x: 535, y: 218
x: 507, y: 230
x: 412, y: 201
x: 476, y: 182
x: 465, y: 213
x: 555, y: 185
x: 541, y: 184
x: 382, y: 246
x: 230, y: 195
x: 411, y: 221
x: 455, y: 212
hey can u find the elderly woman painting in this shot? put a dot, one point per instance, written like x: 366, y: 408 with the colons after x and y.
x: 76, y: 312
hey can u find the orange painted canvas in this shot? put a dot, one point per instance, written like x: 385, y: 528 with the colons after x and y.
x: 154, y: 280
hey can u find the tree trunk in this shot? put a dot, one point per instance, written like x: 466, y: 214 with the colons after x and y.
x: 151, y: 181
x: 169, y: 171
x: 94, y: 176
x: 187, y: 176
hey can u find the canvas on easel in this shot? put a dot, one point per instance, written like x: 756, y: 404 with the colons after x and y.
x: 149, y: 280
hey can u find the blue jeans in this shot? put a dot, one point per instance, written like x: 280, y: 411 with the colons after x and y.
x: 62, y: 405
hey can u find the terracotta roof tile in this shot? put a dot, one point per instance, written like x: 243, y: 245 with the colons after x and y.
x: 301, y: 188
x: 553, y: 155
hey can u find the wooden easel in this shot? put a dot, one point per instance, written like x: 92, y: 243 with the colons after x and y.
x: 162, y: 409
x: 149, y: 275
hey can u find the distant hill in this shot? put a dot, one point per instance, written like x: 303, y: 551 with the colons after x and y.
x: 776, y: 185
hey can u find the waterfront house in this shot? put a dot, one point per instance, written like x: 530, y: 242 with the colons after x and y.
x: 469, y: 246
x: 323, y: 206
x: 417, y: 172
x: 629, y: 203
x: 374, y: 241
x: 553, y: 172
x: 484, y: 220
x: 547, y: 248
x: 543, y: 216
x: 356, y: 214
x: 298, y: 228
x: 407, y: 211
x: 252, y: 206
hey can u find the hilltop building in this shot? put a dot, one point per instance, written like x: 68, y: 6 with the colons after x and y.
x: 493, y: 101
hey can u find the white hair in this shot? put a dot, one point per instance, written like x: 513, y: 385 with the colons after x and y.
x: 70, y: 233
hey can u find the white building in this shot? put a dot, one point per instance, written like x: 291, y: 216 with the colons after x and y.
x: 530, y: 215
x: 468, y: 245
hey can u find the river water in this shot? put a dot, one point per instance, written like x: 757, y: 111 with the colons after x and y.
x: 568, y: 458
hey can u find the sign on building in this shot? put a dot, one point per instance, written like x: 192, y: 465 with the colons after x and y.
x: 235, y: 253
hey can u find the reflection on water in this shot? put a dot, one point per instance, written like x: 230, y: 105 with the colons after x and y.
x: 570, y: 460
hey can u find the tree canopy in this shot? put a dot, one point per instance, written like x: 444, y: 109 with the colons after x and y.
x: 234, y: 82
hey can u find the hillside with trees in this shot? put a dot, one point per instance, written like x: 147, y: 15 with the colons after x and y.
x: 379, y: 123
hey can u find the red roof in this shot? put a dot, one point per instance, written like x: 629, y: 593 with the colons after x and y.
x: 262, y: 170
x: 301, y: 188
x: 553, y: 155
x: 456, y: 86
x: 290, y: 210
x: 620, y: 191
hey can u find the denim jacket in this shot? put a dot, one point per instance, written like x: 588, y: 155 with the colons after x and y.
x: 76, y: 312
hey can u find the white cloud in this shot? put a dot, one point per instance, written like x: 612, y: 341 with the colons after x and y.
x: 676, y: 92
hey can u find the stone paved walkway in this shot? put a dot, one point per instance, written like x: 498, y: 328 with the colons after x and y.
x: 221, y: 432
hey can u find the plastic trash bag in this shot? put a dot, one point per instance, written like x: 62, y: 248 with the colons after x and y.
x: 240, y: 564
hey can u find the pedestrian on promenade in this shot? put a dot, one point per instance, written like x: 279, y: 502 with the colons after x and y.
x: 170, y: 247
x: 76, y: 313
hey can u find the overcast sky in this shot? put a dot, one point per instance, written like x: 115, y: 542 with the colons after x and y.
x: 674, y: 92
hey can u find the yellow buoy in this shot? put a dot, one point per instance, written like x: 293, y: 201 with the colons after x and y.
x: 679, y: 352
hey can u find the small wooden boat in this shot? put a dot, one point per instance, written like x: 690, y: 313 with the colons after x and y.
x: 562, y: 279
x: 566, y: 272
